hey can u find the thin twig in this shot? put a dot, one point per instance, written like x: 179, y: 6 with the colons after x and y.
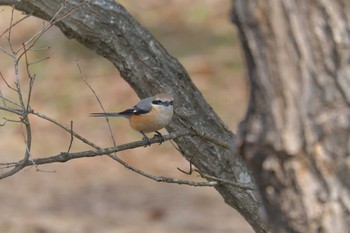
x: 7, y: 100
x: 98, y: 100
x: 191, y: 158
x: 12, y: 110
x: 175, y: 146
x: 10, y: 30
x: 58, y: 12
x: 71, y: 137
x: 7, y: 84
x: 39, y: 60
x: 40, y: 49
x: 163, y: 178
x: 224, y: 181
x: 5, y: 51
x: 31, y: 78
x: 11, y: 120
x: 189, y: 172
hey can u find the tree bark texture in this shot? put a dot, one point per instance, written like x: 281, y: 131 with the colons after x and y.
x: 107, y: 28
x: 296, y: 134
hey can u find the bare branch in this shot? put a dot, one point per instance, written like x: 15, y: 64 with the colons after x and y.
x: 64, y: 157
x: 10, y: 120
x: 23, y: 112
x: 13, y: 110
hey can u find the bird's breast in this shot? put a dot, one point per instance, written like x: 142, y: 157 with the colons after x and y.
x: 155, y: 120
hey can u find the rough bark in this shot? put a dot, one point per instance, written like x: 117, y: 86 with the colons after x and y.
x: 296, y: 134
x: 107, y: 28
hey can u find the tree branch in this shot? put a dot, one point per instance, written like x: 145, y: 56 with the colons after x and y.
x: 67, y: 156
x: 64, y: 156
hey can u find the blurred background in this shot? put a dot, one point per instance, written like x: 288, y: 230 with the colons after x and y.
x: 97, y: 194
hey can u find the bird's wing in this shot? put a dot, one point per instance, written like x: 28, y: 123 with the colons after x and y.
x: 144, y: 106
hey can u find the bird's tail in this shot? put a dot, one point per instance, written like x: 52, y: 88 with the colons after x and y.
x: 106, y: 114
x: 127, y: 113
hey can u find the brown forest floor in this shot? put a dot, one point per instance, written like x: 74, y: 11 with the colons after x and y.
x: 96, y: 194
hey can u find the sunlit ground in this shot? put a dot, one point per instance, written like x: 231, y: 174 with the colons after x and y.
x: 96, y: 194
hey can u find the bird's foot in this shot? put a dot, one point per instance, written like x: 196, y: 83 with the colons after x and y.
x: 146, y: 139
x: 159, y: 135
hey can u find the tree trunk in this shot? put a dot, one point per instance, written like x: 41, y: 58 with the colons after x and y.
x: 296, y: 134
x: 107, y: 28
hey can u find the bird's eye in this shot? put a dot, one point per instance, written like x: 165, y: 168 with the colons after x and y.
x: 157, y: 102
x: 171, y: 103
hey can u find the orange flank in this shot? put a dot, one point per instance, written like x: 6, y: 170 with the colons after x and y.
x: 148, y: 122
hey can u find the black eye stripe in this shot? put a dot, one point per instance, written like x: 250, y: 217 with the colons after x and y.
x: 157, y: 102
x: 165, y: 103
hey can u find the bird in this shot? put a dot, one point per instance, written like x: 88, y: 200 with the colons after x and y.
x: 148, y: 115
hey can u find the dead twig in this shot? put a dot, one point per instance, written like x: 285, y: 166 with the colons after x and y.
x: 7, y: 84
x: 31, y: 78
x: 71, y: 137
x: 98, y: 100
x: 224, y: 181
x: 190, y: 160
